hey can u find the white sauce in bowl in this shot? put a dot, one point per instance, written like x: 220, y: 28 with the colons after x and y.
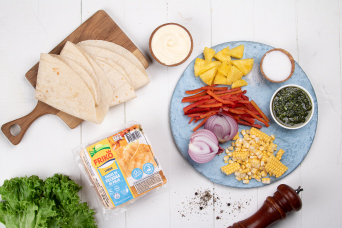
x: 171, y: 44
x: 277, y: 66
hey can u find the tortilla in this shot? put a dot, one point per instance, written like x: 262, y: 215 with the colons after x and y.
x: 122, y: 90
x: 116, y: 49
x: 60, y: 87
x: 72, y: 52
x: 80, y: 72
x: 105, y: 91
x: 138, y: 79
x: 116, y: 67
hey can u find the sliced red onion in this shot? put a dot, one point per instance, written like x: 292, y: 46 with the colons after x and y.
x: 223, y: 126
x: 203, y: 146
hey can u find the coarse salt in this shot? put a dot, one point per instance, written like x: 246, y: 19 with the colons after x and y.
x: 277, y: 66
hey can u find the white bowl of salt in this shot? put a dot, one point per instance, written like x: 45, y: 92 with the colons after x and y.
x: 277, y: 65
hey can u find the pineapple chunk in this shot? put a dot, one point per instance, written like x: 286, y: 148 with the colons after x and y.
x: 220, y: 79
x: 200, y: 66
x: 224, y: 68
x: 236, y: 52
x: 208, y: 55
x: 208, y: 76
x: 245, y: 65
x: 239, y: 83
x: 222, y: 56
x: 233, y: 75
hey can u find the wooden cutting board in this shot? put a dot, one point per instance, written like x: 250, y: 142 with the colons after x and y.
x: 100, y: 26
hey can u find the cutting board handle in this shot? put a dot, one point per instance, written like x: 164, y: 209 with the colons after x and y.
x: 25, y: 122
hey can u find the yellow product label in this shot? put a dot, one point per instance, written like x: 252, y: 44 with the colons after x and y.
x: 101, y: 153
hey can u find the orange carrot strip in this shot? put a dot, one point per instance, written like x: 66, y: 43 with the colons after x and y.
x: 228, y: 91
x: 192, y: 118
x: 257, y: 117
x: 210, y: 105
x: 185, y: 109
x: 208, y: 114
x: 259, y: 110
x: 197, y: 95
x: 186, y: 99
x: 218, y: 98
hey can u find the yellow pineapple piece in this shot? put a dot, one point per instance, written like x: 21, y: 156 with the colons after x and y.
x: 200, y: 66
x: 239, y: 83
x: 222, y: 56
x: 236, y: 52
x: 233, y: 75
x: 208, y: 54
x: 244, y: 65
x: 224, y: 68
x: 220, y: 79
x: 208, y: 76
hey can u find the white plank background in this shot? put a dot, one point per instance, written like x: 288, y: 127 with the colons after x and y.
x: 309, y: 29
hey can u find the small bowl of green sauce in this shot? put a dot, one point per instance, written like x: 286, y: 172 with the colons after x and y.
x: 292, y: 106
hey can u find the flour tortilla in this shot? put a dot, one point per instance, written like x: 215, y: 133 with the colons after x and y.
x: 138, y: 79
x: 122, y: 90
x: 116, y: 67
x: 72, y: 52
x: 116, y: 49
x: 59, y: 86
x: 80, y: 72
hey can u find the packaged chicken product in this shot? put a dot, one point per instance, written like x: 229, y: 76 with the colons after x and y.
x: 121, y: 166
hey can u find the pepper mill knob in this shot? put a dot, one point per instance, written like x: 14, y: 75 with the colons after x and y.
x: 284, y: 201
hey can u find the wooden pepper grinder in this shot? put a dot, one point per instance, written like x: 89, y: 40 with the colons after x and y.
x: 284, y: 201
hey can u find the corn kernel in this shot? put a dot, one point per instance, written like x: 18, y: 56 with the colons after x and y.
x: 266, y: 180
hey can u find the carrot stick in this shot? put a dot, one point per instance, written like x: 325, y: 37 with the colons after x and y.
x: 210, y: 105
x: 259, y: 110
x: 228, y: 91
x: 197, y: 95
x: 218, y: 98
x: 243, y: 101
x: 248, y: 124
x: 194, y: 105
x: 196, y: 110
x: 192, y: 118
x: 195, y: 114
x: 257, y: 117
x: 185, y: 99
x: 208, y: 114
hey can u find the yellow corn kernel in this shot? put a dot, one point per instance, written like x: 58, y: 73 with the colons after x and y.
x: 236, y: 136
x: 230, y: 148
x: 245, y: 181
x: 280, y: 154
x: 240, y: 155
x: 230, y: 168
x: 272, y: 137
x: 263, y: 173
x: 275, y: 167
x: 226, y: 158
x: 261, y: 135
x: 266, y: 180
x: 237, y: 178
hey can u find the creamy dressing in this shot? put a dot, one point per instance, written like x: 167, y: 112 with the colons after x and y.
x: 171, y: 44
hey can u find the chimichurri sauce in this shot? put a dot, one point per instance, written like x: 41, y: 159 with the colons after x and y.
x: 291, y: 106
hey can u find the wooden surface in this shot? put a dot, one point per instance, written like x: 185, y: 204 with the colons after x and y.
x: 98, y: 27
x: 309, y: 29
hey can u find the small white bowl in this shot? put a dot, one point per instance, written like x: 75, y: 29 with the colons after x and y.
x: 312, y: 110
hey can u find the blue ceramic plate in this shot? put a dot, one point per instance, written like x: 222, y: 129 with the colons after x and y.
x: 296, y: 143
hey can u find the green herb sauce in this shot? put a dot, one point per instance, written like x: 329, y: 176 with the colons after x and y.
x: 291, y: 106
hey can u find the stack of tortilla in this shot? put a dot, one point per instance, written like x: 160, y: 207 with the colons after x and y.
x: 88, y: 78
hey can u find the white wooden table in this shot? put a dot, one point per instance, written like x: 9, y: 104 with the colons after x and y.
x: 309, y: 30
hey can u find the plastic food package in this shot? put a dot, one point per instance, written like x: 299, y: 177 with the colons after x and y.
x: 121, y: 167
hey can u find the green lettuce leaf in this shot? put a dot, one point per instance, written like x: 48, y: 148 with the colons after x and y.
x: 29, y: 202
